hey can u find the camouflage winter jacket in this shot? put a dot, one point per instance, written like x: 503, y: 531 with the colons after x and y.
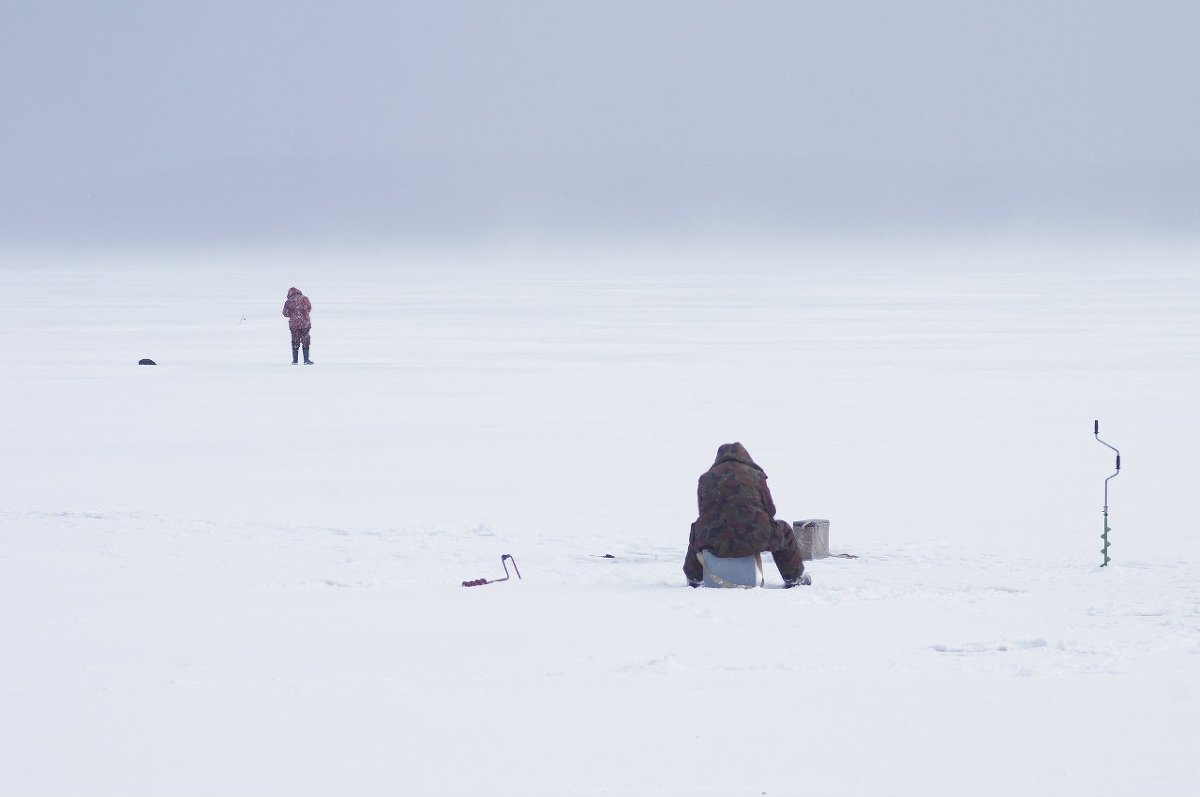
x: 296, y: 308
x: 736, y: 510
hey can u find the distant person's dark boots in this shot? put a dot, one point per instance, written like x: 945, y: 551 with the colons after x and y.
x: 306, y: 360
x: 296, y: 355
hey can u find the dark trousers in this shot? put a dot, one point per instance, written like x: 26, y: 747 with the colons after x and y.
x: 300, y: 337
x: 788, y: 558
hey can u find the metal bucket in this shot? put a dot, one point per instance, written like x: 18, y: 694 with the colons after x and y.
x: 813, y: 536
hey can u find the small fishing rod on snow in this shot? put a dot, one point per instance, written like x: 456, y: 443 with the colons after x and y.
x: 1117, y: 472
x: 504, y: 560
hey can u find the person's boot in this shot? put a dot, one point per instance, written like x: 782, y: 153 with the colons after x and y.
x: 295, y: 355
x: 306, y: 360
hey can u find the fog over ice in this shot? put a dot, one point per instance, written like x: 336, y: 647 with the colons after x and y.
x: 260, y: 121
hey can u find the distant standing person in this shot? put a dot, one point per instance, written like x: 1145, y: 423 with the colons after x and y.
x: 737, y: 518
x: 297, y: 309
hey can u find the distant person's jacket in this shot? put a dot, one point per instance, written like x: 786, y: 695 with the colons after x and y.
x: 296, y: 308
x: 736, y: 510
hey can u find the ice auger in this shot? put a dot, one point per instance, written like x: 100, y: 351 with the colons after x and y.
x: 1104, y: 536
x: 504, y: 560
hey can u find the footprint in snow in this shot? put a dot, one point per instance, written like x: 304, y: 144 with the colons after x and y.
x: 991, y: 647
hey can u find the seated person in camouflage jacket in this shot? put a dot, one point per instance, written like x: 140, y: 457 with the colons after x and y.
x: 737, y: 518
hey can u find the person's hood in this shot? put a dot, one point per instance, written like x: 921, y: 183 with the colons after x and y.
x: 735, y: 452
x: 294, y: 292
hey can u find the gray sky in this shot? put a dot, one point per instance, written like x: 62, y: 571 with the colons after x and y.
x: 258, y: 120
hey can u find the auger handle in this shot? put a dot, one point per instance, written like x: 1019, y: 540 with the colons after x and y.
x: 1096, y: 431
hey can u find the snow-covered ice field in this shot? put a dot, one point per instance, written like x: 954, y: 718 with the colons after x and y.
x: 225, y: 575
